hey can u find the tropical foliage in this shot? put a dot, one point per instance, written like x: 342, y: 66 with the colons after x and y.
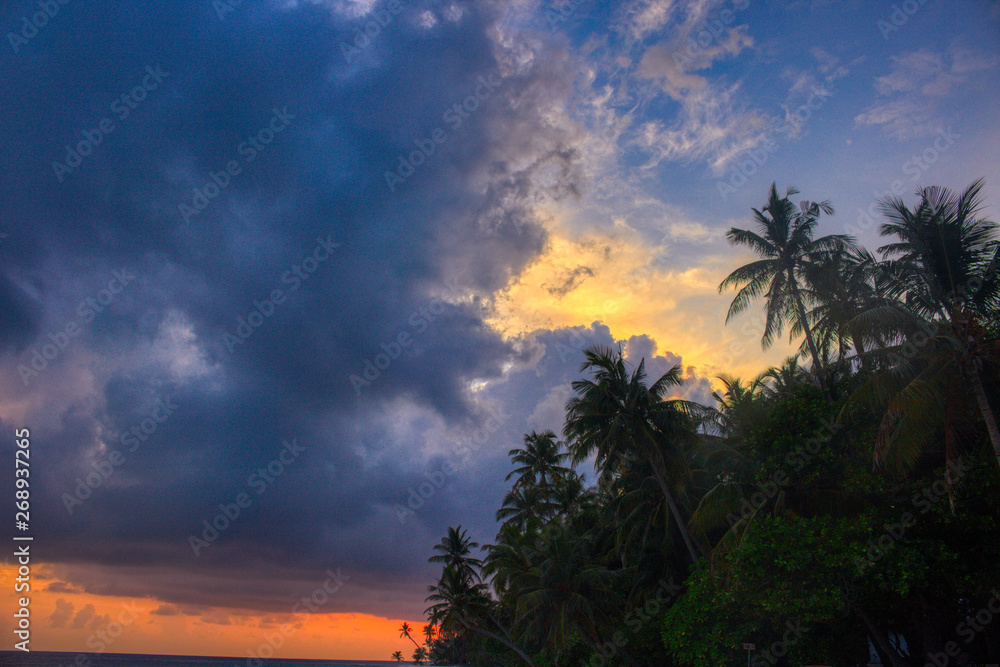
x: 839, y: 507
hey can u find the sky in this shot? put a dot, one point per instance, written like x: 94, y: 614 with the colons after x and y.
x: 282, y: 281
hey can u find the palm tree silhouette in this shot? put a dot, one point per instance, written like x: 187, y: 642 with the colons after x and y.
x: 945, y: 265
x: 428, y: 634
x: 455, y: 551
x: 404, y: 631
x: 539, y: 462
x: 784, y: 241
x: 463, y: 604
x: 616, y: 416
x: 567, y: 594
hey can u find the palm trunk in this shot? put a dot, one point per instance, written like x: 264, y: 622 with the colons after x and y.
x: 984, y: 407
x: 661, y: 479
x: 859, y: 346
x: 950, y: 443
x: 881, y: 640
x: 817, y: 366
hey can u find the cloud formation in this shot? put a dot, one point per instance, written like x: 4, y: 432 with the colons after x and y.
x: 919, y: 89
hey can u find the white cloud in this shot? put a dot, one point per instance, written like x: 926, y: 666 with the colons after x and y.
x: 709, y: 126
x: 920, y: 90
x: 427, y: 19
x: 550, y: 412
x: 648, y: 16
x: 351, y: 9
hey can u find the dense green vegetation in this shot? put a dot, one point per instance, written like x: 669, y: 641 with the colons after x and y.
x: 845, y: 501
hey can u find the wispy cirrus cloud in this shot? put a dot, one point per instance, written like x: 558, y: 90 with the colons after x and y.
x: 710, y: 126
x: 917, y: 93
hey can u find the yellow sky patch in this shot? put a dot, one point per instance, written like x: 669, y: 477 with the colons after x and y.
x: 614, y: 276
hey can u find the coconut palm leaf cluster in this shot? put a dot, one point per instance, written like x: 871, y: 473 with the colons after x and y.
x: 839, y: 509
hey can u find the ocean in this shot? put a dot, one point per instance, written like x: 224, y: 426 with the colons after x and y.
x: 60, y: 659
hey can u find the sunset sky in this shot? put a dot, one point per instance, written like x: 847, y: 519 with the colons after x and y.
x: 292, y: 257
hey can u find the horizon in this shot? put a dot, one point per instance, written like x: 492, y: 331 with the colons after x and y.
x: 186, y: 655
x: 283, y: 282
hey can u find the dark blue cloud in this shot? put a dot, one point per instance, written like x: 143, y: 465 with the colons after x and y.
x: 210, y: 158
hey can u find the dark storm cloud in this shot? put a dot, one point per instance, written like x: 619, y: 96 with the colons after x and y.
x: 219, y: 156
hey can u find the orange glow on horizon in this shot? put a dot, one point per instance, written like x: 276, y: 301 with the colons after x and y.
x: 70, y: 620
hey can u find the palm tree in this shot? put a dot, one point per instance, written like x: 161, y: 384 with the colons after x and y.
x: 638, y: 527
x: 949, y: 258
x: 728, y: 457
x: 428, y: 633
x: 419, y: 655
x: 739, y: 407
x: 460, y: 605
x: 567, y: 593
x: 522, y: 505
x: 539, y: 462
x: 397, y: 656
x: 455, y: 551
x: 844, y: 283
x: 570, y: 494
x: 511, y: 556
x: 404, y: 631
x: 784, y: 241
x: 785, y: 378
x: 457, y: 602
x: 616, y: 416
